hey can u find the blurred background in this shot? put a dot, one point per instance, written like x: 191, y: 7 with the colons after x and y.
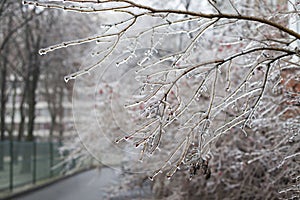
x: 36, y: 108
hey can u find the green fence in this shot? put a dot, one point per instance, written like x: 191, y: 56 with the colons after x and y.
x: 27, y: 162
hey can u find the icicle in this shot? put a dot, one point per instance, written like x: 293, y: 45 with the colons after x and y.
x: 42, y: 52
x: 118, y: 140
x: 127, y: 137
x: 137, y: 145
x: 66, y: 78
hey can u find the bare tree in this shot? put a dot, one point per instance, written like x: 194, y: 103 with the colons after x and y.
x: 209, y: 68
x: 11, y: 24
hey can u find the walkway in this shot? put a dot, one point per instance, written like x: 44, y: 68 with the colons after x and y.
x: 89, y: 185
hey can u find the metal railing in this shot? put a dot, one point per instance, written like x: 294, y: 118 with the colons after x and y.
x: 28, y: 162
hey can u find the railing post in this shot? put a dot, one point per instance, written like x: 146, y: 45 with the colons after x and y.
x: 51, y: 158
x: 34, y: 163
x: 11, y: 165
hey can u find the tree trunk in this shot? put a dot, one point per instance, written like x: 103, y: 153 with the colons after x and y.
x: 31, y: 105
x: 22, y: 126
x: 33, y: 43
x: 61, y: 114
x: 3, y: 105
x: 52, y: 127
x: 22, y: 114
x: 13, y: 110
x: 31, y: 101
x: 12, y: 124
x: 2, y: 112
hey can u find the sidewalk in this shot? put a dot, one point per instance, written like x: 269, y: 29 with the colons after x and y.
x: 89, y: 185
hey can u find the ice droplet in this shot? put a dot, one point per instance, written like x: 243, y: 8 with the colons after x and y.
x: 118, y: 140
x: 219, y: 71
x: 42, y: 51
x: 66, y: 78
x: 126, y: 137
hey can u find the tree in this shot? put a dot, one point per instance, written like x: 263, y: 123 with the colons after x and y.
x: 57, y: 66
x: 11, y: 24
x: 195, y: 71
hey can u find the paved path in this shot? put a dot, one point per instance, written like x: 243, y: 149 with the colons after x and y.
x: 88, y: 185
